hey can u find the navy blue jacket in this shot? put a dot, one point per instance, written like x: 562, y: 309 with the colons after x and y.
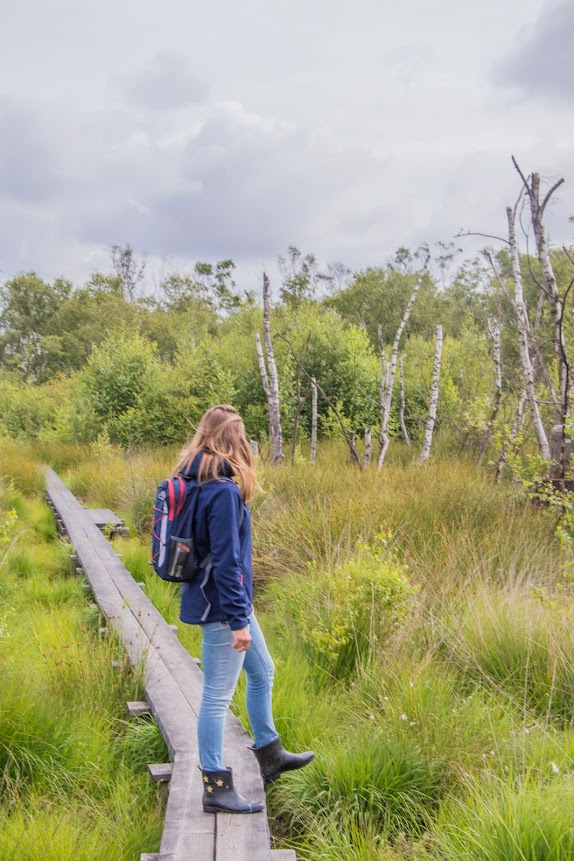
x: 223, y: 591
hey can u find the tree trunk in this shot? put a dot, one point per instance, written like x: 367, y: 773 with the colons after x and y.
x: 387, y: 394
x: 429, y: 428
x: 368, y: 447
x: 494, y: 332
x: 402, y: 412
x: 513, y: 434
x: 523, y: 334
x: 549, y: 284
x: 264, y: 381
x: 313, y: 420
x: 273, y: 399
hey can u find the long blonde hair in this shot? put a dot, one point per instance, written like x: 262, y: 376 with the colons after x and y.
x: 220, y: 435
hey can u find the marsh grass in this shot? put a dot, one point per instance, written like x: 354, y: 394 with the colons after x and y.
x: 500, y: 823
x: 449, y: 737
x: 72, y: 769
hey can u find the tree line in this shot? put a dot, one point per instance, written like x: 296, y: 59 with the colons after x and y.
x: 477, y: 350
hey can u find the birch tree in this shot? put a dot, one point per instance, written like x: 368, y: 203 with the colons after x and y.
x: 270, y: 381
x: 549, y: 284
x: 389, y: 374
x: 430, y: 423
x: 523, y: 326
x: 402, y: 410
x: 313, y: 420
x: 494, y: 332
x: 516, y: 427
x: 368, y: 447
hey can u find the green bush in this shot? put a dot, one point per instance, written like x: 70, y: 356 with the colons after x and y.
x: 345, y: 614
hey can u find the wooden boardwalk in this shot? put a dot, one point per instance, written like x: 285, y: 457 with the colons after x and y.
x: 173, y: 683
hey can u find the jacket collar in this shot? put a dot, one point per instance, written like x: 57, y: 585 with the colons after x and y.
x: 192, y: 471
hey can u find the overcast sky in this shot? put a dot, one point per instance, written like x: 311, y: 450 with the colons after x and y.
x: 199, y: 131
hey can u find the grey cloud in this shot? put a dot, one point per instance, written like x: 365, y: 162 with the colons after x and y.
x: 243, y: 186
x: 167, y: 83
x: 543, y: 62
x: 31, y: 163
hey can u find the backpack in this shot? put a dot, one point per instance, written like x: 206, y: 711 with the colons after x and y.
x: 173, y: 553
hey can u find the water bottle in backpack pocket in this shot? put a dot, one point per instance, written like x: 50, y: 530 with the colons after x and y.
x: 173, y: 553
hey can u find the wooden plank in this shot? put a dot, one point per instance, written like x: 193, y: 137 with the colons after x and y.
x: 283, y: 855
x: 189, y: 833
x: 103, y: 517
x: 137, y: 708
x: 160, y: 772
x: 247, y: 839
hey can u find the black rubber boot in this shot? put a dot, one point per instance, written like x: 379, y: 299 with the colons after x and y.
x: 273, y: 760
x: 219, y: 795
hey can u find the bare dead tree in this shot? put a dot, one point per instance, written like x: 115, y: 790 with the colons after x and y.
x: 387, y: 387
x: 402, y: 410
x: 523, y: 335
x: 272, y: 388
x: 494, y: 332
x: 313, y: 419
x: 567, y: 377
x: 430, y: 423
x: 533, y: 332
x: 264, y: 378
x: 549, y: 283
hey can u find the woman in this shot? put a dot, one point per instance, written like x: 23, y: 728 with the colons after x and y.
x: 219, y: 459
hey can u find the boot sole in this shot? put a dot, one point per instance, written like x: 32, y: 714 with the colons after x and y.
x: 209, y: 808
x: 272, y: 778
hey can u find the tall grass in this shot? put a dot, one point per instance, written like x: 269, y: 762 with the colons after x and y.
x: 448, y: 733
x: 73, y: 783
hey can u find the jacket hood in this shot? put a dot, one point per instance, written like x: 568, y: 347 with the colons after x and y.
x: 192, y: 471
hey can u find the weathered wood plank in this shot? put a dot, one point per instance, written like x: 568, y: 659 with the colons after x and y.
x: 103, y: 517
x: 137, y: 708
x: 283, y: 855
x: 160, y: 772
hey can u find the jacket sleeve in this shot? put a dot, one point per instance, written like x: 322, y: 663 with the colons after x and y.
x: 223, y: 526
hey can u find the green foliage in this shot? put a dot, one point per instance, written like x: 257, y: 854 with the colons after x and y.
x: 380, y: 296
x: 500, y: 824
x: 522, y: 644
x: 387, y: 782
x: 346, y: 613
x: 71, y: 780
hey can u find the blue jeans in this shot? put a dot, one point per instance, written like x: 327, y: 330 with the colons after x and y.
x: 221, y: 668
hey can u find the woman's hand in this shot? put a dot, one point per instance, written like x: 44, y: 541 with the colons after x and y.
x: 241, y: 640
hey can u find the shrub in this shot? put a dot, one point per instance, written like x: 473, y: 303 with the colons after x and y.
x: 344, y: 614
